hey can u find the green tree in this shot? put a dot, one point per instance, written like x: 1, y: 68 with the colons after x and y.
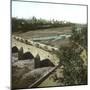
x: 79, y: 35
x: 74, y: 71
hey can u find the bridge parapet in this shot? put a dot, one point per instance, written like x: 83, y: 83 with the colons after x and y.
x: 36, y: 44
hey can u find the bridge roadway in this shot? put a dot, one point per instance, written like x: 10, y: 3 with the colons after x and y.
x: 34, y: 50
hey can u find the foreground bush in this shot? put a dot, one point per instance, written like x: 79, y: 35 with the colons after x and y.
x: 75, y: 73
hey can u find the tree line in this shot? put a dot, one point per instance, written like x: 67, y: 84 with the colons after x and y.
x: 23, y: 25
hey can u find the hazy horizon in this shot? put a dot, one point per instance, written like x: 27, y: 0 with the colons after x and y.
x: 60, y: 12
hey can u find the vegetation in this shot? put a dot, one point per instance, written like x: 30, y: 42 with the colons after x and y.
x: 24, y: 25
x: 79, y: 35
x: 75, y: 72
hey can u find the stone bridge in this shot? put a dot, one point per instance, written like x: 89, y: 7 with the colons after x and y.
x: 35, y: 48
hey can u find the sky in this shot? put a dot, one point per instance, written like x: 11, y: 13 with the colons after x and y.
x: 61, y: 12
